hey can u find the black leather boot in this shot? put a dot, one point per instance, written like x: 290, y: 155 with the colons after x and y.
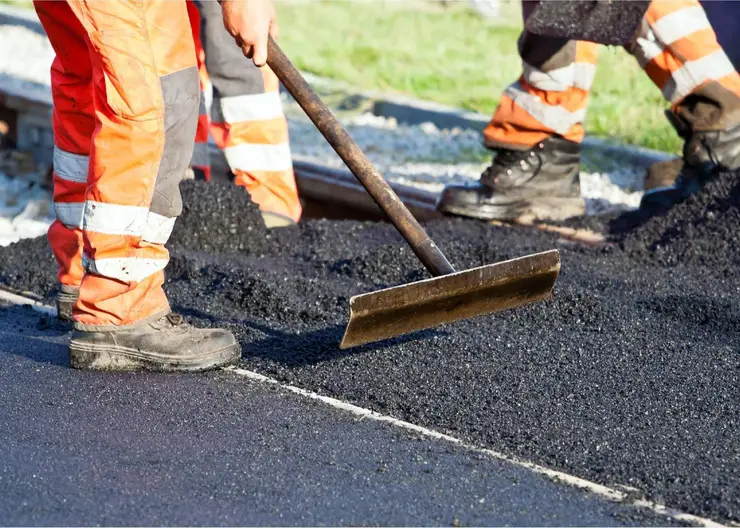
x: 541, y: 183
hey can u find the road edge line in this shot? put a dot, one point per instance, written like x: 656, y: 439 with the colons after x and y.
x: 22, y: 300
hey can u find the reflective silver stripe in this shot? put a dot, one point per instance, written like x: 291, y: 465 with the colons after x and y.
x: 679, y: 24
x: 667, y: 30
x: 574, y: 75
x: 158, y: 228
x: 556, y: 118
x: 113, y: 219
x: 647, y: 49
x: 249, y: 157
x: 70, y: 214
x: 201, y: 158
x: 127, y: 269
x: 247, y: 108
x: 694, y: 73
x: 71, y: 167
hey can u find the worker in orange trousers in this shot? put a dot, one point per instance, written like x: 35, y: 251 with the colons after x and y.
x: 126, y: 93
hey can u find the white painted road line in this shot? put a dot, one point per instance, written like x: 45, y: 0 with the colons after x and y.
x: 27, y: 301
x: 595, y: 488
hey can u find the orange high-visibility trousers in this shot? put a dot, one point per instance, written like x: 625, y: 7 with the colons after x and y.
x: 126, y: 95
x: 246, y: 121
x: 677, y: 48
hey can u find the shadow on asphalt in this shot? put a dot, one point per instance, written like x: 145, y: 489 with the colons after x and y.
x: 288, y: 349
x: 304, y: 349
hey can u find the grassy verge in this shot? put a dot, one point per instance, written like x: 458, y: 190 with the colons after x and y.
x: 453, y: 56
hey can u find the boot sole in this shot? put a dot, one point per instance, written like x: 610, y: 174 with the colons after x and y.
x: 553, y: 209
x: 117, y: 358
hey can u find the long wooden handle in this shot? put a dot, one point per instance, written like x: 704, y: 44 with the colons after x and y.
x: 423, y: 246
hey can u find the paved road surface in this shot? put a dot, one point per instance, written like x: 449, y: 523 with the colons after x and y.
x: 83, y: 448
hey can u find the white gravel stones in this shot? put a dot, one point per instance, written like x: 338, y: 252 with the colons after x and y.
x: 425, y: 157
x: 25, y: 60
x: 603, y: 192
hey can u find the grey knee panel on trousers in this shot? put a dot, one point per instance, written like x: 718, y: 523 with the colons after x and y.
x: 230, y: 72
x: 181, y: 94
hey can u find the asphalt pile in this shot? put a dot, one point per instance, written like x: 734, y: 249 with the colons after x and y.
x: 700, y: 231
x: 630, y: 375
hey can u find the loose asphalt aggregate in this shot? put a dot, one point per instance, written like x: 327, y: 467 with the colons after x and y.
x: 629, y: 376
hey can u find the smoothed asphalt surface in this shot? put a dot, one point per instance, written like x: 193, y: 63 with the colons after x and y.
x: 84, y: 448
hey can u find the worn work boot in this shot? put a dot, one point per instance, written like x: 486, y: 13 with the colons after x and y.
x: 663, y: 174
x: 66, y: 298
x: 541, y: 183
x: 705, y: 154
x: 165, y: 344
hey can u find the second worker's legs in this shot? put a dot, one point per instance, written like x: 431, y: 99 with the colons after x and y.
x: 536, y: 131
x: 248, y: 122
x: 678, y: 49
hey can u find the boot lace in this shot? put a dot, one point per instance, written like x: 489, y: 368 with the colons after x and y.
x: 499, y: 169
x: 175, y: 319
x: 506, y: 158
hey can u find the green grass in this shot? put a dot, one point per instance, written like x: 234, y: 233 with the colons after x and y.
x: 453, y: 56
x: 28, y: 4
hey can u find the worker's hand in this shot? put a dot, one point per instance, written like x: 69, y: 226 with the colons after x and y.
x: 250, y: 22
